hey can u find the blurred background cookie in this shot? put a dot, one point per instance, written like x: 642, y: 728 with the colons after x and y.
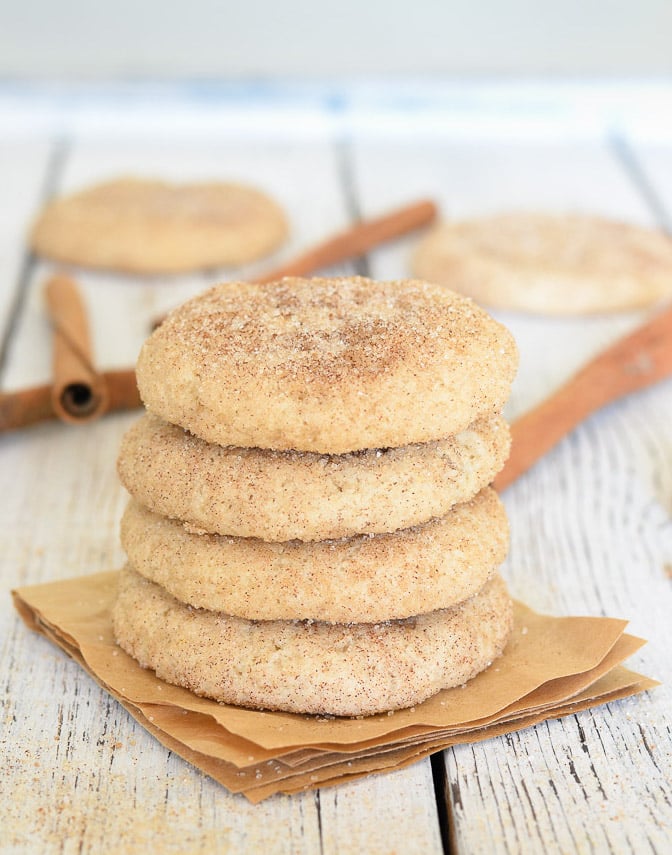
x: 145, y: 226
x: 567, y: 264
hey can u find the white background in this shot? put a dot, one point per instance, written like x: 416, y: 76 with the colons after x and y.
x: 304, y: 38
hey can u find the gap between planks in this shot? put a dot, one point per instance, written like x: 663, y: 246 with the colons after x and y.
x: 52, y: 175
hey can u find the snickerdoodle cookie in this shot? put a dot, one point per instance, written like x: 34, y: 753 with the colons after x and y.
x: 326, y: 365
x: 144, y: 226
x: 309, y: 666
x: 360, y: 579
x: 286, y: 495
x: 551, y: 264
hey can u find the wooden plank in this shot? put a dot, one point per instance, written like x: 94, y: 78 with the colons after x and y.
x: 388, y: 813
x: 650, y: 167
x: 655, y: 160
x: 85, y: 776
x: 590, y: 534
x: 590, y: 525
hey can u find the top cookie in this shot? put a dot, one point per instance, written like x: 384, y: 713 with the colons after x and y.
x: 140, y: 226
x: 560, y: 265
x: 326, y: 365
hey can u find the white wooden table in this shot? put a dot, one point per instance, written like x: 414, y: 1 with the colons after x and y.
x: 591, y: 529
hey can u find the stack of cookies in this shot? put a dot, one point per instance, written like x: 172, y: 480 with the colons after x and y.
x: 311, y: 527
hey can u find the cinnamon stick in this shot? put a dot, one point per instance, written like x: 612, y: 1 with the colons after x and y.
x: 78, y: 393
x: 356, y: 240
x: 353, y: 242
x: 634, y: 362
x: 26, y: 407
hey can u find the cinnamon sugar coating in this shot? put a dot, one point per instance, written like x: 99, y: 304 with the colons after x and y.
x: 326, y: 365
x: 360, y: 579
x: 285, y: 495
x: 310, y: 667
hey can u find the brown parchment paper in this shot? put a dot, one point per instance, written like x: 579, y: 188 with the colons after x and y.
x: 551, y: 667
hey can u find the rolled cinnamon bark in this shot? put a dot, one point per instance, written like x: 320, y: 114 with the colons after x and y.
x: 26, y: 407
x: 639, y: 359
x: 356, y: 240
x: 79, y: 393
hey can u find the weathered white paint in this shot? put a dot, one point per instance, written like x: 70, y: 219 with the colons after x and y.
x: 591, y: 533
